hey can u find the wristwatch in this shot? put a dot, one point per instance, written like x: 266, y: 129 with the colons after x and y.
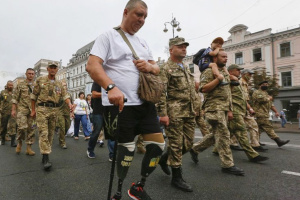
x: 110, y: 87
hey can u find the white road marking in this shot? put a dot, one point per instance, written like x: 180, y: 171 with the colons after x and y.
x: 290, y: 173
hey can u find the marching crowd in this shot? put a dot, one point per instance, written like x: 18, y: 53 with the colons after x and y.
x: 225, y: 117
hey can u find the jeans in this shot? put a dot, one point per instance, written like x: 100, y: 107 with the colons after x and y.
x: 283, y: 122
x: 110, y: 146
x: 97, y: 123
x: 83, y: 120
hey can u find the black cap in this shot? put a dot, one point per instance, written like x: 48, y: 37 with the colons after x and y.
x: 263, y: 82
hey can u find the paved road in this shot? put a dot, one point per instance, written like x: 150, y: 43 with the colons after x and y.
x: 74, y: 176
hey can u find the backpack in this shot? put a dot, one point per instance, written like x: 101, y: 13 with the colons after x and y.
x: 198, y: 56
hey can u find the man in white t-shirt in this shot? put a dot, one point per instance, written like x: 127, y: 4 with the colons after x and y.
x: 112, y: 66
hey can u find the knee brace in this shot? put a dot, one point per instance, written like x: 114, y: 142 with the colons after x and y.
x: 151, y: 158
x: 124, y: 158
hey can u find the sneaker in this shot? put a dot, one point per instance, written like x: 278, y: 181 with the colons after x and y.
x: 101, y: 143
x: 110, y: 159
x: 87, y: 138
x: 117, y: 196
x: 137, y: 192
x: 64, y: 146
x: 90, y: 154
x: 76, y: 138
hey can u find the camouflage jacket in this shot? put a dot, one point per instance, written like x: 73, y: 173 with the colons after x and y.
x: 6, y: 104
x: 245, y: 87
x: 220, y: 97
x: 197, y: 104
x: 64, y: 108
x: 46, y: 90
x: 261, y: 103
x: 238, y: 100
x: 21, y: 96
x: 179, y: 96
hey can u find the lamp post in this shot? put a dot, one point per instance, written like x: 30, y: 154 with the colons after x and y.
x: 174, y: 24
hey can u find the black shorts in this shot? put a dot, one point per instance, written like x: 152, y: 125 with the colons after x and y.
x: 132, y: 121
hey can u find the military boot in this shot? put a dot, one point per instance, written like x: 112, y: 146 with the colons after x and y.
x: 281, y: 142
x: 13, y: 141
x: 29, y: 150
x: 45, y: 160
x: 19, y: 147
x: 163, y: 163
x: 178, y: 181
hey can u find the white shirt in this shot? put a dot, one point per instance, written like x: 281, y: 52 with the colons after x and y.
x: 81, y: 107
x: 118, y: 63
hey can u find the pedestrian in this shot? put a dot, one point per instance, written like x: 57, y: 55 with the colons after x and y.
x: 176, y: 111
x: 63, y: 122
x: 217, y: 103
x: 21, y: 110
x: 7, y: 121
x: 81, y: 114
x: 298, y: 117
x: 112, y: 66
x: 262, y: 104
x: 47, y: 91
x: 249, y: 120
x: 283, y: 117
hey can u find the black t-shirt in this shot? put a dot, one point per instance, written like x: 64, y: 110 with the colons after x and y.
x: 97, y: 102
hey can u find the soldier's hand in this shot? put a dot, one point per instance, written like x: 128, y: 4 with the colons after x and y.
x: 277, y: 114
x: 230, y: 115
x: 270, y: 98
x: 164, y: 120
x: 143, y: 65
x: 32, y: 114
x: 252, y: 112
x: 116, y: 97
x: 13, y: 113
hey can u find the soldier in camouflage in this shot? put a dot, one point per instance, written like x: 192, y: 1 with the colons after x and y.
x: 45, y: 98
x: 6, y: 120
x: 21, y: 109
x: 176, y: 111
x: 249, y: 120
x: 262, y: 103
x: 63, y: 121
x: 217, y: 104
x: 236, y: 123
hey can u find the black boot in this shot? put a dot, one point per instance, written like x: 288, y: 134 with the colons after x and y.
x: 178, y: 181
x: 281, y: 142
x: 45, y: 160
x: 13, y: 141
x: 163, y: 163
x: 194, y: 156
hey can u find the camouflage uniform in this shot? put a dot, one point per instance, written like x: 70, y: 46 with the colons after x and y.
x: 201, y: 123
x: 237, y: 125
x: 63, y: 122
x: 47, y: 94
x: 21, y: 98
x: 178, y: 104
x: 216, y: 104
x: 262, y: 106
x: 250, y: 122
x: 8, y: 124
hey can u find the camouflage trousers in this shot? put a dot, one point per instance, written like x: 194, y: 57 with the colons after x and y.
x: 25, y: 127
x: 46, y: 119
x: 63, y: 122
x: 140, y: 141
x: 252, y: 128
x: 220, y: 136
x: 8, y: 125
x: 180, y: 133
x: 265, y: 125
x: 202, y: 124
x: 237, y: 128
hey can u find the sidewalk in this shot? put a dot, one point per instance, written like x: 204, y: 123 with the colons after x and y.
x: 289, y: 128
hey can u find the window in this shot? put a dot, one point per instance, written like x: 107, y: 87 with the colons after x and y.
x: 74, y: 71
x: 286, y: 79
x: 81, y: 69
x: 191, y: 66
x: 257, y: 55
x: 239, y: 58
x: 285, y: 49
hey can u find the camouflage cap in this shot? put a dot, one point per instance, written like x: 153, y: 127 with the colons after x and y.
x: 233, y: 66
x: 53, y: 63
x: 245, y: 71
x: 177, y: 41
x: 218, y: 40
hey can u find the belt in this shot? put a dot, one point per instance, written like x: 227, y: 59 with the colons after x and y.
x: 49, y: 104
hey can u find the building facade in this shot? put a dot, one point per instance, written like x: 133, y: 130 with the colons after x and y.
x: 77, y: 78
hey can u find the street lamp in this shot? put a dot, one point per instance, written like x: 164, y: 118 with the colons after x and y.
x: 174, y: 24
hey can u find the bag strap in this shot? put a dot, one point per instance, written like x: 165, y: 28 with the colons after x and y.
x: 118, y: 28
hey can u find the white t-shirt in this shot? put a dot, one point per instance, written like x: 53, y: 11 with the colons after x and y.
x: 118, y: 63
x: 81, y: 107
